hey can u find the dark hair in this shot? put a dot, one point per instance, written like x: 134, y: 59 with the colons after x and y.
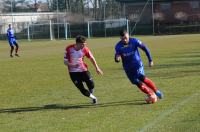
x: 80, y: 39
x: 122, y: 33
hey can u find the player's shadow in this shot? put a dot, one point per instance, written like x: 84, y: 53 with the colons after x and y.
x: 67, y: 107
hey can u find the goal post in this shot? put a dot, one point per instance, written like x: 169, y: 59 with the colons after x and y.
x: 47, y: 30
x: 107, y: 28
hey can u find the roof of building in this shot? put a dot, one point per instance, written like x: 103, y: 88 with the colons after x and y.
x: 139, y: 1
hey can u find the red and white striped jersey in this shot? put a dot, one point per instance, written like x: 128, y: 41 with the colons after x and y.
x: 76, y: 57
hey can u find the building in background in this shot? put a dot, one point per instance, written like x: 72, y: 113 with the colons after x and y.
x: 98, y: 18
x: 167, y: 14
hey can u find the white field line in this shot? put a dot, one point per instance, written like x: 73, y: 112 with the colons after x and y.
x: 167, y: 112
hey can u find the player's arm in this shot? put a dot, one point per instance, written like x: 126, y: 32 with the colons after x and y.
x: 117, y: 58
x: 117, y: 55
x: 146, y: 50
x: 92, y: 59
x: 89, y: 55
x: 8, y: 34
x: 98, y: 70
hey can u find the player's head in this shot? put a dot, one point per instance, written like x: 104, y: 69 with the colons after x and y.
x: 9, y: 25
x: 124, y: 36
x: 80, y: 42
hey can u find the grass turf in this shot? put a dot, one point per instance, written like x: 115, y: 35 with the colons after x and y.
x: 36, y: 93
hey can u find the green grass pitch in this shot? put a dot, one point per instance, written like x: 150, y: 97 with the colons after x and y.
x: 37, y: 95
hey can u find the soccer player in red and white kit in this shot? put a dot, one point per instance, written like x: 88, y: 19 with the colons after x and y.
x: 78, y: 69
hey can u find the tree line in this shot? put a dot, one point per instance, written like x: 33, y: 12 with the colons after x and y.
x: 97, y: 9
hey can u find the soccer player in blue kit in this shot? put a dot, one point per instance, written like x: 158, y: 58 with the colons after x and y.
x: 127, y: 50
x: 12, y: 41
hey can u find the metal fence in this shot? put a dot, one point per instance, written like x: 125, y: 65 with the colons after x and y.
x: 152, y: 17
x: 35, y: 26
x: 162, y: 16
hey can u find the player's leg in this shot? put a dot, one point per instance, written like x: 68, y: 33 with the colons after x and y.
x: 90, y: 84
x: 75, y: 77
x: 78, y: 82
x: 17, y: 48
x: 133, y: 77
x: 142, y: 86
x: 150, y: 84
x: 89, y: 81
x: 11, y: 50
x: 11, y: 47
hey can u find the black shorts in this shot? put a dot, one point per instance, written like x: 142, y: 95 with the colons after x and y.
x: 80, y: 76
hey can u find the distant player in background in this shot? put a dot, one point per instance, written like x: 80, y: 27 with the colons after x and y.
x: 12, y: 41
x: 78, y: 71
x: 127, y: 50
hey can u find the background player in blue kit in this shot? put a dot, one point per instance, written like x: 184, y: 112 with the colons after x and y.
x: 127, y: 50
x: 12, y: 41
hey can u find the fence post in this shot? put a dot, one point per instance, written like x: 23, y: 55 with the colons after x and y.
x: 29, y: 33
x: 66, y: 31
x: 51, y: 37
x: 127, y: 26
x: 104, y: 28
x: 88, y: 29
x: 152, y: 7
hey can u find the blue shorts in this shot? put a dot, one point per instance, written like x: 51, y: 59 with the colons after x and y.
x: 12, y: 41
x: 135, y: 76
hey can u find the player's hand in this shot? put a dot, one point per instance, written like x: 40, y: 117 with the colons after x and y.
x: 150, y: 63
x: 117, y: 58
x: 99, y: 71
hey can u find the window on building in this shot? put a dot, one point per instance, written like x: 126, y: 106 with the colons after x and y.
x: 165, y: 6
x: 194, y: 4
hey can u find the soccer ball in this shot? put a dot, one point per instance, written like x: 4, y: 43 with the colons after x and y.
x: 150, y: 99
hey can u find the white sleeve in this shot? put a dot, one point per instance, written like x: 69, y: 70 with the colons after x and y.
x: 66, y: 61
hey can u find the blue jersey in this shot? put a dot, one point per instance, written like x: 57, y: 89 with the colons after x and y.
x: 11, y: 37
x: 10, y: 33
x: 130, y: 55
